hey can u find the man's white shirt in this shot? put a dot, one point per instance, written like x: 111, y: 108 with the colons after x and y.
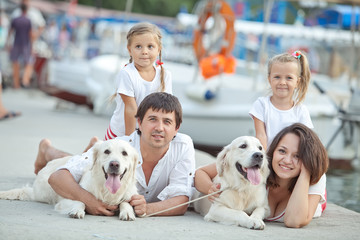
x: 172, y: 176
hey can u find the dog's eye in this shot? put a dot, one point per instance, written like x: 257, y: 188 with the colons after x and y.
x: 124, y: 153
x: 243, y: 146
x: 107, y: 151
x: 260, y: 147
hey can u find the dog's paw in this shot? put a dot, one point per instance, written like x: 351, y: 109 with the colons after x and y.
x: 77, y: 213
x: 126, y: 212
x: 208, y: 218
x: 127, y: 216
x: 256, y: 223
x: 74, y: 209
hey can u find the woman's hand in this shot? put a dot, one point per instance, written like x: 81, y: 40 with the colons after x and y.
x: 214, y: 188
x: 304, y: 171
x: 301, y: 206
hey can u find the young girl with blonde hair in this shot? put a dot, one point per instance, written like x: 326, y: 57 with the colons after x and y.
x: 140, y: 77
x: 289, y: 77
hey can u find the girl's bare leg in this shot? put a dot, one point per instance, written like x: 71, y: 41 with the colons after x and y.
x: 93, y: 140
x: 47, y: 153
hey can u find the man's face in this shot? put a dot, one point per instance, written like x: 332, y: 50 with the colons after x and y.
x: 158, y: 128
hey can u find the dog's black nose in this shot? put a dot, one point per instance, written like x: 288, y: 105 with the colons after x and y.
x: 114, y: 166
x: 258, y: 157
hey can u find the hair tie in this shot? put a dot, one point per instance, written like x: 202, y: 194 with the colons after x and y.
x: 297, y: 54
x: 159, y: 63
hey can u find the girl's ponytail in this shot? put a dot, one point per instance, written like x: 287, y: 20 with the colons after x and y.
x: 162, y: 74
x: 305, y: 75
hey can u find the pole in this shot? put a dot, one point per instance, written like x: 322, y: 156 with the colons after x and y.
x: 352, y: 55
x: 262, y: 60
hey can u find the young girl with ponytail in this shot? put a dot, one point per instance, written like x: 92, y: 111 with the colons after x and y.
x: 289, y: 77
x: 144, y: 74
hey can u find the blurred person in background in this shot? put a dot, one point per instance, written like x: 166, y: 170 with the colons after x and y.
x: 4, y: 25
x: 21, y: 49
x: 93, y: 43
x: 64, y: 41
x: 37, y: 20
x: 51, y: 35
x: 4, y: 113
x: 37, y: 24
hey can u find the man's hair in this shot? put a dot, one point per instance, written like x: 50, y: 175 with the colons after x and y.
x: 160, y: 101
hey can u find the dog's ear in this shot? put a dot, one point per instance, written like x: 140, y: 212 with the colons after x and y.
x: 221, y: 162
x: 96, y: 150
x: 136, y: 157
x: 265, y: 169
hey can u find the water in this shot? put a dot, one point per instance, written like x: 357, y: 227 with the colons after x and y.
x: 343, y: 188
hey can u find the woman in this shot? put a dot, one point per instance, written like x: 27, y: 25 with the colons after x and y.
x: 296, y: 185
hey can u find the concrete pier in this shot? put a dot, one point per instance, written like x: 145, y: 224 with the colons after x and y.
x: 70, y: 128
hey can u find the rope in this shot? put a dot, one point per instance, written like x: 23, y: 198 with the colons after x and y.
x: 191, y: 201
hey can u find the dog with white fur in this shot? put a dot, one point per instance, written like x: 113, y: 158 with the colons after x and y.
x: 242, y: 171
x: 110, y: 178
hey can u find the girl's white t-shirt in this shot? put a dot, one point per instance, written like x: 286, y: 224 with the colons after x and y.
x: 130, y: 83
x: 275, y: 120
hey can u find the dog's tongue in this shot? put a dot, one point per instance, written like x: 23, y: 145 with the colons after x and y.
x: 253, y: 174
x: 113, y: 183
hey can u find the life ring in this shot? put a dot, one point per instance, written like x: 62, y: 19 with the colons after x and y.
x: 217, y: 64
x: 228, y: 41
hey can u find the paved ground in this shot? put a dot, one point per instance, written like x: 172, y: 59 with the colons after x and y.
x: 70, y: 128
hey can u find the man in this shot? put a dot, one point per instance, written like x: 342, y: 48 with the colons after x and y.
x: 21, y: 49
x: 165, y: 168
x: 37, y: 20
x: 37, y: 27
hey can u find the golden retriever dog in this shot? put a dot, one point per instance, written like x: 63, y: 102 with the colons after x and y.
x: 242, y: 172
x: 111, y: 179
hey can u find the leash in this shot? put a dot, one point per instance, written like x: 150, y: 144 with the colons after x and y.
x: 191, y: 201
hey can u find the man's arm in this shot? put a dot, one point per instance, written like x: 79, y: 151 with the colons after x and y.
x: 141, y: 206
x: 65, y: 185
